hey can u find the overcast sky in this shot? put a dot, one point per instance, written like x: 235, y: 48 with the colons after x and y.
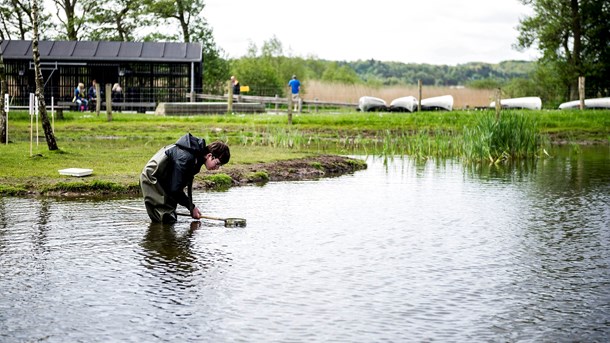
x: 425, y: 31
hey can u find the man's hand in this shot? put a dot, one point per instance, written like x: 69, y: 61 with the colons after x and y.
x: 196, y: 214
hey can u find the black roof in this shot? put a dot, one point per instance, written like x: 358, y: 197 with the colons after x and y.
x: 103, y: 51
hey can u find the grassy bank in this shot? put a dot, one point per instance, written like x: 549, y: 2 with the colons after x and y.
x: 117, y: 150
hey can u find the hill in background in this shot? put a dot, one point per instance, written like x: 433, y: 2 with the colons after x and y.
x: 395, y: 73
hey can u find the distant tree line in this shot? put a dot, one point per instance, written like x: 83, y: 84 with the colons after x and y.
x: 267, y: 70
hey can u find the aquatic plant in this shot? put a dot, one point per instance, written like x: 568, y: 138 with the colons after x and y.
x: 12, y: 190
x: 258, y: 176
x: 513, y: 135
x: 219, y: 181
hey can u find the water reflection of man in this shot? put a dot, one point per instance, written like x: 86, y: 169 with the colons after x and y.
x: 164, y: 244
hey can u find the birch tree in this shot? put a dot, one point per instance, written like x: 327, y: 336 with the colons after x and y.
x: 46, y: 125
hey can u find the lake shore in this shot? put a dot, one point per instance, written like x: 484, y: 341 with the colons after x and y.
x: 263, y: 147
x: 307, y: 168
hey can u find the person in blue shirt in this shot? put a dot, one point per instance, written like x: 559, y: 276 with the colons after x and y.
x: 295, y: 86
x: 92, y: 95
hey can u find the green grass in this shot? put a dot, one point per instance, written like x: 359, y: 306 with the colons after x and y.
x: 118, y: 150
x: 512, y: 136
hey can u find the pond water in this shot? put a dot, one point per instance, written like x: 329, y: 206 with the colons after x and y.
x: 403, y: 251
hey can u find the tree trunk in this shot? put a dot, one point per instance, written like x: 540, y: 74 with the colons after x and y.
x: 42, y: 108
x: 577, y: 45
x: 3, y: 90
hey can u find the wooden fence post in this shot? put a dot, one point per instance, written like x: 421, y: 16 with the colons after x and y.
x: 98, y: 99
x: 498, y: 103
x: 108, y: 102
x: 419, y: 97
x: 230, y: 99
x: 581, y: 91
x: 289, y: 109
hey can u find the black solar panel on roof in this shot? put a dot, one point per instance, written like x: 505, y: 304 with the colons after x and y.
x: 104, y: 51
x: 175, y: 50
x: 108, y: 49
x: 85, y: 49
x: 59, y: 50
x: 153, y: 50
x: 131, y: 50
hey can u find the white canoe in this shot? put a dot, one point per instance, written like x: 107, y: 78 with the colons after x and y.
x: 444, y: 102
x: 406, y: 103
x: 528, y: 102
x: 603, y: 103
x: 371, y: 103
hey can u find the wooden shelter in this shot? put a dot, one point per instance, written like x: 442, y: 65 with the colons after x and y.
x: 147, y: 71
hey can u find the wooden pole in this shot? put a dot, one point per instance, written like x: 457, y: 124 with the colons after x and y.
x: 277, y: 104
x: 98, y: 98
x: 6, y: 111
x: 36, y: 110
x: 31, y: 132
x: 498, y: 103
x: 230, y: 99
x: 53, y: 114
x: 419, y: 86
x: 581, y: 91
x: 108, y: 102
x: 289, y: 108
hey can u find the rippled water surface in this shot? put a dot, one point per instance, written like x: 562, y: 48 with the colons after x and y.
x: 408, y: 251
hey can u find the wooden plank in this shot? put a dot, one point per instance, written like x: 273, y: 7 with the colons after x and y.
x: 188, y: 108
x: 274, y: 100
x: 48, y: 107
x: 133, y: 104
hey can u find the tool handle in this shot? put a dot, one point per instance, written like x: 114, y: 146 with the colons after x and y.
x: 211, y: 218
x: 200, y: 216
x: 186, y: 214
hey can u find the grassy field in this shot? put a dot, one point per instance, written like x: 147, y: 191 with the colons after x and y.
x: 118, y: 150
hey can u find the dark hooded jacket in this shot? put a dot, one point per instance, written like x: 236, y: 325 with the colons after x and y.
x: 167, y: 173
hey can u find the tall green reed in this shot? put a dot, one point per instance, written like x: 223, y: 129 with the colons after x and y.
x: 514, y: 135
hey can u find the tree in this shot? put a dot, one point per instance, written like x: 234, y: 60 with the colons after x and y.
x: 46, y: 125
x: 118, y: 20
x: 215, y: 68
x: 573, y: 37
x: 72, y: 15
x: 340, y: 74
x: 267, y: 71
x: 185, y: 12
x: 3, y: 90
x: 15, y: 20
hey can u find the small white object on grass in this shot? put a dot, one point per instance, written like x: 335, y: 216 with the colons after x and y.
x: 76, y: 172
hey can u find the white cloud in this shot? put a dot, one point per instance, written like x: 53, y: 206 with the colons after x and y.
x: 431, y: 31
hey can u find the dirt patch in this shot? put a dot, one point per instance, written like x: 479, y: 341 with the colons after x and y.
x: 309, y: 168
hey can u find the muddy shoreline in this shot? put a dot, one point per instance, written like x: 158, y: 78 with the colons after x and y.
x: 309, y: 168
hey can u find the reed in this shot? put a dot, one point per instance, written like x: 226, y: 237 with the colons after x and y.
x: 513, y: 136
